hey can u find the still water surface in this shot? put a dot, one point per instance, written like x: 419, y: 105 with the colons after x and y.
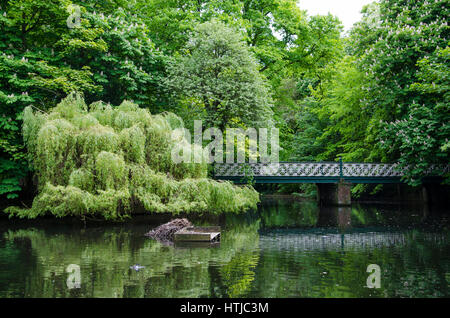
x: 285, y: 249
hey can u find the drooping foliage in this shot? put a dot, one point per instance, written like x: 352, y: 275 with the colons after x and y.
x: 104, y: 161
x: 107, y: 56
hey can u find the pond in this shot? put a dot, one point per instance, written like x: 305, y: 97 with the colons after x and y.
x: 286, y: 248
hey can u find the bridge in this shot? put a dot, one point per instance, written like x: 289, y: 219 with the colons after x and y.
x: 333, y: 178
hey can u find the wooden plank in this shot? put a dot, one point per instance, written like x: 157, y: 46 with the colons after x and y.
x: 207, y: 229
x: 198, y: 234
x: 192, y: 237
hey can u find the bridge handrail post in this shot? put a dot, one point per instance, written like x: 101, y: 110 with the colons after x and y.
x: 341, y: 170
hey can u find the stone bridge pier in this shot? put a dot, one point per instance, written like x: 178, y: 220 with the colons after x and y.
x: 334, y: 194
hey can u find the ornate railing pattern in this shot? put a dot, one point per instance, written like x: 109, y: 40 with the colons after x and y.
x: 276, y: 169
x: 316, y: 169
x: 371, y: 170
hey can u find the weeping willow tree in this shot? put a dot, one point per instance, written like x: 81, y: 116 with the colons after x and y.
x: 106, y: 161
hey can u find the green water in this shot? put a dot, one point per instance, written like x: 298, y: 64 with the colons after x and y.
x: 285, y: 249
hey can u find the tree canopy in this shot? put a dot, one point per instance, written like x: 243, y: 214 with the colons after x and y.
x: 378, y: 93
x: 219, y: 77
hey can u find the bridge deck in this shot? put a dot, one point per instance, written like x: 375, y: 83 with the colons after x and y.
x: 319, y: 172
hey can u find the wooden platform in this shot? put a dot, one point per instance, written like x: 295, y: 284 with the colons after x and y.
x: 198, y: 234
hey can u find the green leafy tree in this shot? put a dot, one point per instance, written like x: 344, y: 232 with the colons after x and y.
x: 422, y: 137
x: 104, y: 161
x: 42, y: 59
x: 220, y: 77
x: 121, y: 56
x: 387, y: 99
x: 30, y: 74
x: 406, y: 56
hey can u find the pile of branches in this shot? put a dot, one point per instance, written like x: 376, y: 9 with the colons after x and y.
x: 166, y: 231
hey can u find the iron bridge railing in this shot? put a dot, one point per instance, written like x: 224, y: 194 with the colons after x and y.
x: 331, y: 171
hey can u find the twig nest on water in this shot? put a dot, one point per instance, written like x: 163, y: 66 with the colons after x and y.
x: 166, y: 231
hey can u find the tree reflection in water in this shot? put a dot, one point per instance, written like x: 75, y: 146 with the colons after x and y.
x: 285, y: 249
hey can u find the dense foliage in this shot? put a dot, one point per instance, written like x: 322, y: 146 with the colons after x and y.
x: 42, y: 60
x: 387, y: 98
x: 108, y: 161
x: 377, y: 93
x: 219, y: 77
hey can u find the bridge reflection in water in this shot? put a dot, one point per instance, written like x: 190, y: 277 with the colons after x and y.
x: 295, y: 240
x: 338, y: 228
